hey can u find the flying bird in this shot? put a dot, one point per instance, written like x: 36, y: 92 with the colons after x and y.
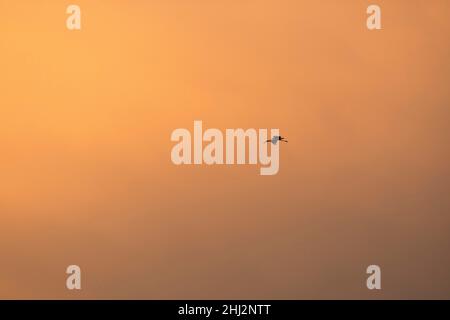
x: 275, y: 139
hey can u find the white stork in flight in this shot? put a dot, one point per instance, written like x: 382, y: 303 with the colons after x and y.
x: 275, y: 139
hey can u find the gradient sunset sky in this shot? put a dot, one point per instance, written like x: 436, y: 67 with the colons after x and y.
x: 86, y: 176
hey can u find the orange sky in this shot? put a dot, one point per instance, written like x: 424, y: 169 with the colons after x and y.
x: 85, y: 170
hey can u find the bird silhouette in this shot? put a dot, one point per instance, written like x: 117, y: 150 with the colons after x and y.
x: 275, y: 139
